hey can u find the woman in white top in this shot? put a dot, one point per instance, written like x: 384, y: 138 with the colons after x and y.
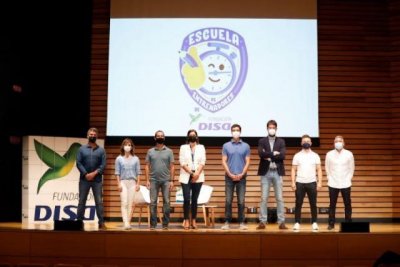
x: 127, y: 172
x: 192, y: 158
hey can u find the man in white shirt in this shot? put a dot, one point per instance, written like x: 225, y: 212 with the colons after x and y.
x: 339, y: 167
x: 306, y: 166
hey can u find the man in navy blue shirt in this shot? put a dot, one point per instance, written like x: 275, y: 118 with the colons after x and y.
x: 236, y: 161
x: 91, y: 161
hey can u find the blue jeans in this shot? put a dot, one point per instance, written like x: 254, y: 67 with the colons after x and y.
x: 272, y: 178
x: 155, y: 187
x: 240, y: 193
x: 97, y: 189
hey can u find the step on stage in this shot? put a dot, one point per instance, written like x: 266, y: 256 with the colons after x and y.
x: 201, y: 247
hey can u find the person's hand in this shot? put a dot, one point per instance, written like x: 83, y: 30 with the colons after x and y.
x: 119, y: 188
x: 236, y: 177
x: 90, y: 176
x: 193, y: 71
x: 276, y: 153
x: 171, y: 186
x: 230, y: 175
x: 137, y: 187
x: 294, y: 186
x: 148, y: 184
x: 195, y: 176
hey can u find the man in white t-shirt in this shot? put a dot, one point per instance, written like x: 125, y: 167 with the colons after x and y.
x: 306, y: 167
x: 339, y: 167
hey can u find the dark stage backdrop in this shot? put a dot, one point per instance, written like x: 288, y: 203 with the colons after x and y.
x: 45, y: 48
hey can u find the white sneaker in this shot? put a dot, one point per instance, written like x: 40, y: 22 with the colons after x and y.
x: 225, y: 226
x: 242, y: 226
x: 127, y: 227
x: 314, y: 226
x: 296, y: 227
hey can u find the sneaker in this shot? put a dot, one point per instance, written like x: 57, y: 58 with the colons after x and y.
x: 127, y: 227
x: 296, y: 227
x: 261, y: 226
x: 225, y: 226
x: 165, y: 227
x: 152, y: 227
x: 242, y: 226
x: 331, y: 226
x: 314, y: 226
x: 282, y: 226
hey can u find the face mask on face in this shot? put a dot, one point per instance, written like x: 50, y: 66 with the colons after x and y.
x: 127, y: 148
x: 339, y: 145
x: 92, y: 139
x: 192, y: 138
x: 271, y: 132
x: 160, y: 140
x: 236, y: 134
x: 306, y: 145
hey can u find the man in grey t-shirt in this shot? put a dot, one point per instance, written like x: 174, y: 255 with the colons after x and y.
x: 160, y: 173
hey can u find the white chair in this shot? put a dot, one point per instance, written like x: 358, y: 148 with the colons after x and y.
x: 142, y: 200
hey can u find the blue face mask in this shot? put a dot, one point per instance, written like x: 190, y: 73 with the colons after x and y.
x: 306, y: 145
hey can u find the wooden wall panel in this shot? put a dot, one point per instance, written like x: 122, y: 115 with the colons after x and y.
x: 359, y: 98
x: 394, y: 22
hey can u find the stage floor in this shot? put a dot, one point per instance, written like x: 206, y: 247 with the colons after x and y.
x: 177, y: 227
x: 211, y: 247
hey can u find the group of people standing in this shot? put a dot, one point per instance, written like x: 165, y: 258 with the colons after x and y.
x: 306, y: 177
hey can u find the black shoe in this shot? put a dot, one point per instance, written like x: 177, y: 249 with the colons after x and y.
x: 261, y: 226
x: 102, y: 227
x: 282, y: 226
x: 331, y: 226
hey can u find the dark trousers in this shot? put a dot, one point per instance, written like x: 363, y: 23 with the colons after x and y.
x: 333, y: 196
x: 301, y: 190
x: 191, y: 193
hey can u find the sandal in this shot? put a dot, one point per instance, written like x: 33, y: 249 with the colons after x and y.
x: 186, y: 227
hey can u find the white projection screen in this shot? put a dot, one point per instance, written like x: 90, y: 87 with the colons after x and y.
x: 175, y: 66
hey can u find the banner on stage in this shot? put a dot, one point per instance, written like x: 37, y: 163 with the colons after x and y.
x: 50, y: 181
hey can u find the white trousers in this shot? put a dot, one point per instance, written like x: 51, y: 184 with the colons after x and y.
x: 127, y: 195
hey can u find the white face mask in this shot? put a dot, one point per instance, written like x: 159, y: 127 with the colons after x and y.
x: 271, y: 132
x: 127, y: 148
x: 339, y: 145
x: 236, y: 134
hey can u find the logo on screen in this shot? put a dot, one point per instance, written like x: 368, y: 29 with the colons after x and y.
x: 213, y: 66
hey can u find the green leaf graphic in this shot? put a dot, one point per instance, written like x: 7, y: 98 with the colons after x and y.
x: 60, y: 166
x: 49, y: 156
x: 194, y: 118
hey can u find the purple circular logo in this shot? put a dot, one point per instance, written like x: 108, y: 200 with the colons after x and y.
x: 213, y: 65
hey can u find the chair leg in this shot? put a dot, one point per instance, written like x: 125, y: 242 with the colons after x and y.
x: 148, y: 215
x: 206, y: 222
x: 140, y: 215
